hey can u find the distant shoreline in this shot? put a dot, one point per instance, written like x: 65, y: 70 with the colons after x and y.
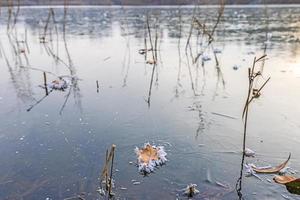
x: 163, y: 6
x: 143, y: 2
x: 141, y: 5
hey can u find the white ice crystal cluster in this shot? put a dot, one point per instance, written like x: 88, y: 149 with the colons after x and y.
x: 250, y: 171
x: 148, y: 167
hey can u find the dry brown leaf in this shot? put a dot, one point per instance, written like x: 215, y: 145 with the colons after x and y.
x: 148, y: 154
x: 292, y: 184
x: 284, y: 179
x: 274, y: 169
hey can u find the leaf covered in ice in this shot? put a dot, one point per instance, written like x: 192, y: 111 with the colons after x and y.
x: 149, y: 157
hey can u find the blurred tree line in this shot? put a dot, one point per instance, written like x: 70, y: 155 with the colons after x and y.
x: 143, y: 2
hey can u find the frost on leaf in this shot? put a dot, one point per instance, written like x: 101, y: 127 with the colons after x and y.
x: 149, y: 157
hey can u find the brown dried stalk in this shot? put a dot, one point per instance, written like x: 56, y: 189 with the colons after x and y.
x: 253, y: 93
x: 202, y: 28
x: 50, y: 15
x: 154, y: 57
x: 109, y: 163
x: 150, y: 39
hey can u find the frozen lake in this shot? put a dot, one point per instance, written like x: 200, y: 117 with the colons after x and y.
x: 53, y: 146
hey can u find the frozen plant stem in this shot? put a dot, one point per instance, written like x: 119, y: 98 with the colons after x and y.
x: 111, y: 171
x: 150, y: 39
x: 253, y: 93
x: 109, y: 160
x: 106, y: 174
x: 45, y: 83
x: 97, y: 83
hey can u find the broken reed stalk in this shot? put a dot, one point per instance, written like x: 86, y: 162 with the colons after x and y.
x: 145, y: 44
x: 150, y: 39
x: 51, y: 13
x: 204, y: 29
x: 156, y: 50
x: 26, y: 41
x: 111, y: 172
x: 104, y: 174
x: 45, y: 83
x: 179, y: 44
x: 38, y: 102
x: 266, y: 34
x: 97, y: 84
x: 16, y: 14
x: 215, y: 56
x: 65, y: 17
x: 210, y: 34
x: 253, y: 93
x: 155, y: 44
x: 179, y: 52
x: 56, y: 33
x: 10, y: 10
x: 220, y: 14
x: 191, y: 29
x: 154, y: 57
x: 66, y: 101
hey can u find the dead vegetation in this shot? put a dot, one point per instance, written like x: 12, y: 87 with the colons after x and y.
x: 253, y: 93
x: 106, y: 177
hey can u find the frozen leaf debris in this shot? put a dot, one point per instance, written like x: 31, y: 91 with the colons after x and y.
x: 149, y: 157
x: 272, y: 170
x: 191, y: 190
x: 205, y: 58
x: 250, y: 171
x: 59, y: 84
x: 151, y: 62
x: 249, y: 152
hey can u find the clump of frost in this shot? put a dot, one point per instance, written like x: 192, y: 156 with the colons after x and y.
x: 249, y: 152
